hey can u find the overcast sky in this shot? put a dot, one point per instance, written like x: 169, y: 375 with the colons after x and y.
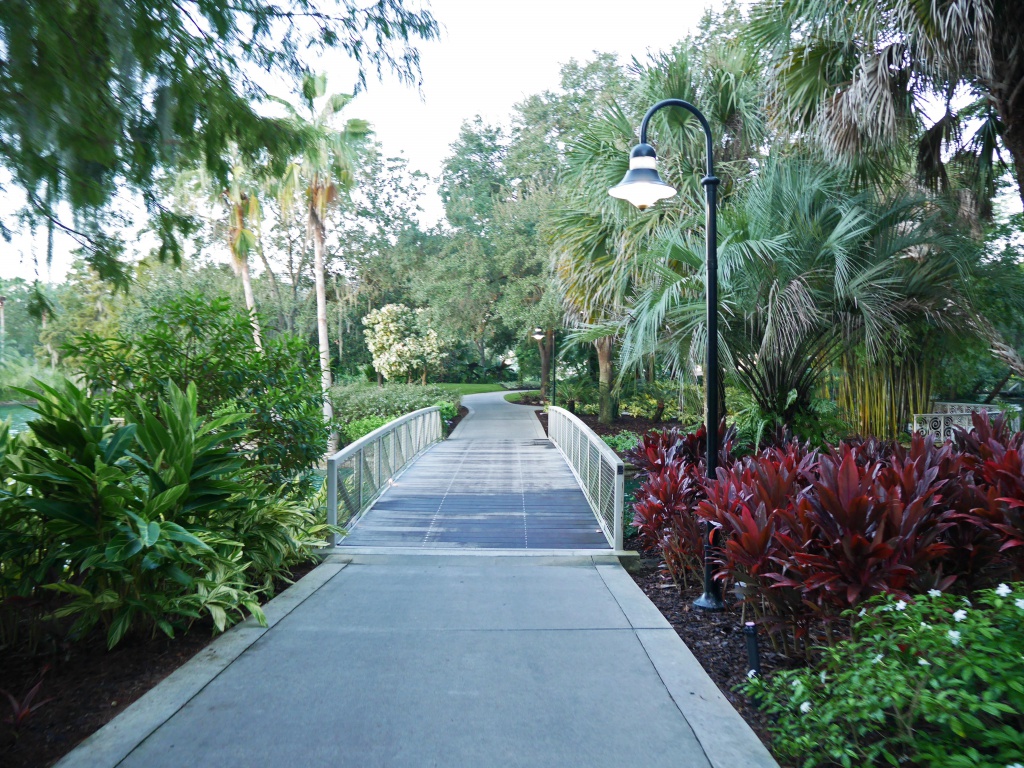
x: 492, y: 54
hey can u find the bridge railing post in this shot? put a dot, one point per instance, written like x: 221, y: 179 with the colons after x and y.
x: 332, y: 499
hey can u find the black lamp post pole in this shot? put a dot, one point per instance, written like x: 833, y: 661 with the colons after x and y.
x: 712, y: 597
x: 554, y: 365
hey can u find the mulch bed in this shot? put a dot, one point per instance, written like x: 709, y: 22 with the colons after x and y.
x: 84, y: 686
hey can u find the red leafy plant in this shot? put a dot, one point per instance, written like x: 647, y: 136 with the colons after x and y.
x: 22, y: 709
x: 673, y: 464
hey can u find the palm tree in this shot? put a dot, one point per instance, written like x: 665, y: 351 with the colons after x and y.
x: 861, y: 78
x: 325, y: 173
x: 601, y: 242
x: 244, y: 214
x: 813, y: 279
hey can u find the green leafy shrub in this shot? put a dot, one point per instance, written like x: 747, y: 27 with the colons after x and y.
x: 449, y: 409
x: 360, y: 427
x: 622, y: 441
x: 930, y: 682
x: 205, y: 340
x: 360, y: 401
x: 139, y: 526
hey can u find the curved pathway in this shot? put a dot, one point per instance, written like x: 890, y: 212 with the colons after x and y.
x: 496, y: 483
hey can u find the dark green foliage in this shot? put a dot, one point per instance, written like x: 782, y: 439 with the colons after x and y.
x: 360, y: 401
x: 138, y: 526
x: 933, y: 682
x: 203, y: 339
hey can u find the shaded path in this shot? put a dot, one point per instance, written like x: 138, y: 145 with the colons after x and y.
x: 497, y: 482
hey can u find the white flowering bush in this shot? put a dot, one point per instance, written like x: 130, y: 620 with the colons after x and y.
x: 401, y: 343
x: 933, y: 682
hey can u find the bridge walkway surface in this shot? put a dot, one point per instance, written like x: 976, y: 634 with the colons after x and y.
x: 461, y: 651
x: 497, y: 482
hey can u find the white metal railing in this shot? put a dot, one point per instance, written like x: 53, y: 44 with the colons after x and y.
x: 360, y: 472
x: 945, y: 417
x: 597, y: 468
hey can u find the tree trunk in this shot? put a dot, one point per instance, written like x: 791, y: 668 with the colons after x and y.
x: 545, y: 365
x: 250, y: 300
x: 606, y: 409
x: 1008, y: 89
x: 317, y: 228
x: 274, y: 287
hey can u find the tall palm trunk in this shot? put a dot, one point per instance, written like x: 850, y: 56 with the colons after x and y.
x: 250, y: 301
x: 316, y: 226
x: 240, y: 260
x: 606, y: 374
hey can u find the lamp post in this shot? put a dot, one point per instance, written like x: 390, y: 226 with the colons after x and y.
x: 642, y: 186
x: 539, y: 334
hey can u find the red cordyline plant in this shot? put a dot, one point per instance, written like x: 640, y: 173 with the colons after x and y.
x: 673, y: 464
x: 807, y: 535
x: 749, y: 503
x: 994, y: 457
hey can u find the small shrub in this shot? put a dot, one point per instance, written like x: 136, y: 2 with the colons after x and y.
x: 360, y: 427
x: 622, y: 442
x: 360, y: 401
x: 933, y: 681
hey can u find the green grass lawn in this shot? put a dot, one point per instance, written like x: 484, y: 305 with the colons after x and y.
x: 472, y: 389
x: 515, y: 397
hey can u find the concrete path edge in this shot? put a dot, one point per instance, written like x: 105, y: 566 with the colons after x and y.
x: 725, y: 737
x: 115, y: 741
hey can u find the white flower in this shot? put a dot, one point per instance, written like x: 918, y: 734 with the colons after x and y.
x: 805, y: 707
x: 878, y: 658
x: 794, y: 683
x: 934, y: 593
x: 901, y: 605
x: 960, y: 615
x: 954, y: 637
x: 1015, y: 765
x: 925, y: 625
x: 823, y: 677
x: 862, y: 611
x: 1003, y: 590
x: 751, y: 674
x: 924, y: 663
x: 1020, y: 604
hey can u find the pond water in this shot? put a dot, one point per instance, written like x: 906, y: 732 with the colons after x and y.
x: 18, y: 416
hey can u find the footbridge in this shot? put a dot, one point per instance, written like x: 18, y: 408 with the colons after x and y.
x: 497, y: 483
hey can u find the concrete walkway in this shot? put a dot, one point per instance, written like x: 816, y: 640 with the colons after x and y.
x: 440, y: 658
x: 497, y: 482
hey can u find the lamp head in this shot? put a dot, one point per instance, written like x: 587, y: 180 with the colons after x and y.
x: 642, y: 185
x: 538, y: 333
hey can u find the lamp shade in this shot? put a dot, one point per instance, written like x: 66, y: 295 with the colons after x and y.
x: 642, y: 185
x: 538, y: 333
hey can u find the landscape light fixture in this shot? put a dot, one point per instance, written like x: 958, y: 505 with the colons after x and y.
x: 643, y: 187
